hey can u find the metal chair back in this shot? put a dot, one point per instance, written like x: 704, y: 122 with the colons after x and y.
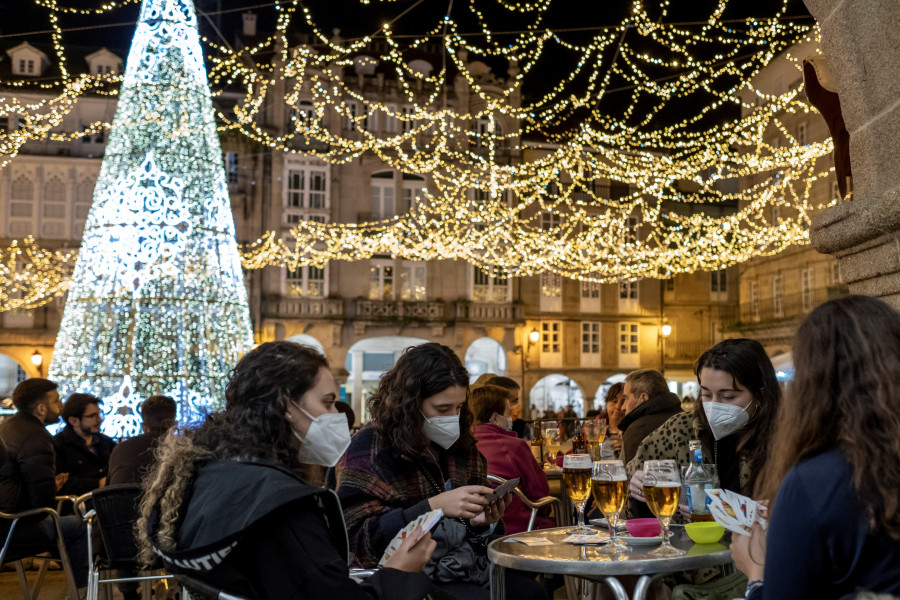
x: 17, y: 548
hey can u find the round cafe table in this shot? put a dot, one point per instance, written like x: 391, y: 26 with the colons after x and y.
x: 584, y: 561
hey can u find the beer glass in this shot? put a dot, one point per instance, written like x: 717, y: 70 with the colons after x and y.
x: 662, y: 488
x: 610, y: 486
x: 577, y: 479
x: 551, y: 445
x: 594, y: 433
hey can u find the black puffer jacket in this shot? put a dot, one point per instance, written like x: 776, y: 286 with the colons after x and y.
x: 27, y: 476
x: 85, y: 466
x: 256, y: 530
x: 644, y: 420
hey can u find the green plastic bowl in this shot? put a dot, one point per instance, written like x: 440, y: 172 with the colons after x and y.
x: 707, y: 532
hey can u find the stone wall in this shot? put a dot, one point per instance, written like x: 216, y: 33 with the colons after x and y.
x: 861, y: 41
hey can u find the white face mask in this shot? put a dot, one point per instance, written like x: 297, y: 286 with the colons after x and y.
x: 327, y: 438
x: 725, y: 419
x: 443, y: 431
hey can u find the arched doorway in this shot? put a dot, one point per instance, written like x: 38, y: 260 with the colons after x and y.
x: 554, y: 392
x: 485, y: 355
x: 307, y: 340
x: 600, y: 396
x: 366, y: 362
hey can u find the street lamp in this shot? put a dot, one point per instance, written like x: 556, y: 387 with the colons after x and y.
x: 38, y: 360
x: 530, y: 340
x: 665, y: 331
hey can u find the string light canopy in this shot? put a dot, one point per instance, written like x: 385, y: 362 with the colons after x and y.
x: 157, y: 303
x: 491, y: 189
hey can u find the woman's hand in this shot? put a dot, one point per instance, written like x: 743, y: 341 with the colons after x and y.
x: 492, y: 512
x: 413, y: 553
x: 749, y: 552
x: 466, y: 502
x: 616, y: 440
x: 636, y: 487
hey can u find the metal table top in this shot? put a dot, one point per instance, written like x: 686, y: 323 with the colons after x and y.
x: 584, y: 561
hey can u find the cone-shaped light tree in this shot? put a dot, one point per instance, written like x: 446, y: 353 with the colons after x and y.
x: 157, y: 304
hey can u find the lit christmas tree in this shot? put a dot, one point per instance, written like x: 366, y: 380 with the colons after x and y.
x: 157, y: 304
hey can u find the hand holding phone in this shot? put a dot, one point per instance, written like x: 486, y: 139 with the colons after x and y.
x: 503, y: 489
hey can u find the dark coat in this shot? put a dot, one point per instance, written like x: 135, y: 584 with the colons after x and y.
x: 256, y: 530
x: 85, y: 466
x: 644, y: 420
x: 131, y: 459
x: 27, y: 477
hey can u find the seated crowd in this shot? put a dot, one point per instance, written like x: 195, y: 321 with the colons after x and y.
x: 238, y: 501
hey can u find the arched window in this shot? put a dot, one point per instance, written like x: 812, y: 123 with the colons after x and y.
x: 383, y: 192
x: 485, y: 355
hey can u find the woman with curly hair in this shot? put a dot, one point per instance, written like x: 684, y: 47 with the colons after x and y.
x: 834, y: 467
x: 225, y: 503
x: 416, y: 455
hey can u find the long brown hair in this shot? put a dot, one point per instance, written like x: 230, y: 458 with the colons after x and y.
x: 846, y: 395
x: 396, y: 404
x: 749, y: 365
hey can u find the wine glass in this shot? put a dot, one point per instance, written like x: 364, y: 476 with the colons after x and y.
x: 662, y: 488
x: 577, y: 479
x: 610, y: 486
x: 551, y: 445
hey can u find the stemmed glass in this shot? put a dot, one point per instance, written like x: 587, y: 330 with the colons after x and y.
x: 662, y: 488
x: 594, y: 434
x: 577, y: 479
x: 551, y: 445
x: 610, y: 486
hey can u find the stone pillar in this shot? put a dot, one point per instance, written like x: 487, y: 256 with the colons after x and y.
x: 861, y: 42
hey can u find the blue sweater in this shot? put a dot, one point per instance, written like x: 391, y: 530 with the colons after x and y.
x: 819, y: 546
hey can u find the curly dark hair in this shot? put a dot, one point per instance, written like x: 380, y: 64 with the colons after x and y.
x: 846, y: 395
x: 749, y: 365
x: 252, y: 426
x: 396, y: 405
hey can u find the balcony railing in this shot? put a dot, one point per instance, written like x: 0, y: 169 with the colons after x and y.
x: 377, y: 310
x: 788, y: 306
x: 323, y: 308
x: 505, y: 312
x: 685, y: 351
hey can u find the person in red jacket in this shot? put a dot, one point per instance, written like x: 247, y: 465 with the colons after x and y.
x: 507, y: 456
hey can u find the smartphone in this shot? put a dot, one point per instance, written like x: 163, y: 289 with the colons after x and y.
x: 503, y: 489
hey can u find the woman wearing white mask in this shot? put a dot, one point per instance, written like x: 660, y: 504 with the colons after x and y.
x: 418, y: 454
x: 225, y: 503
x: 739, y: 396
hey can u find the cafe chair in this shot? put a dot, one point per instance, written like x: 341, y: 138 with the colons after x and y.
x: 534, y: 505
x: 16, y: 551
x: 195, y: 589
x: 113, y: 510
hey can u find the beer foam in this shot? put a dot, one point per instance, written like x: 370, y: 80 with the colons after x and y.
x: 577, y: 461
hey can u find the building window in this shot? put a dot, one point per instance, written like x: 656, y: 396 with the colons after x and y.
x: 307, y: 188
x: 590, y: 338
x: 776, y: 214
x: 489, y: 288
x: 407, y: 123
x: 383, y: 195
x: 628, y: 296
x: 590, y: 296
x: 381, y: 279
x: 390, y: 119
x: 835, y: 272
x: 629, y: 345
x: 801, y: 133
x: 414, y: 191
x: 412, y: 280
x: 718, y: 286
x: 777, y: 296
x: 307, y: 281
x: 22, y: 197
x: 670, y: 284
x: 754, y: 301
x: 352, y: 113
x: 550, y: 222
x: 231, y: 167
x: 54, y: 199
x: 303, y: 115
x: 631, y: 230
x: 551, y: 344
x: 806, y: 289
x: 551, y: 292
x: 481, y: 133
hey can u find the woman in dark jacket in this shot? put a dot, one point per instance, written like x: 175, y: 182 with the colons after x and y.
x: 418, y: 454
x: 225, y: 504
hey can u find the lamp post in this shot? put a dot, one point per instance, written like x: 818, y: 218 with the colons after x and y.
x: 523, y: 350
x: 665, y: 331
x: 38, y: 361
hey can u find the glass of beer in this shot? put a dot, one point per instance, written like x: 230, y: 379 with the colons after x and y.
x: 594, y: 434
x: 662, y: 488
x: 610, y: 487
x: 577, y: 479
x: 551, y: 445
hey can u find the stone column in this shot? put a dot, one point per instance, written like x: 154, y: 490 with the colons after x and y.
x: 861, y: 42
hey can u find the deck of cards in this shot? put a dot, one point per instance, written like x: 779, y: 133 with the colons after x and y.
x: 427, y: 521
x: 735, y: 512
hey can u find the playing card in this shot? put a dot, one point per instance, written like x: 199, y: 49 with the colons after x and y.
x: 427, y: 521
x: 531, y: 541
x: 734, y: 512
x: 586, y: 539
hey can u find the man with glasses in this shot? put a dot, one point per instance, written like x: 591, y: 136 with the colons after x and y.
x: 81, y: 450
